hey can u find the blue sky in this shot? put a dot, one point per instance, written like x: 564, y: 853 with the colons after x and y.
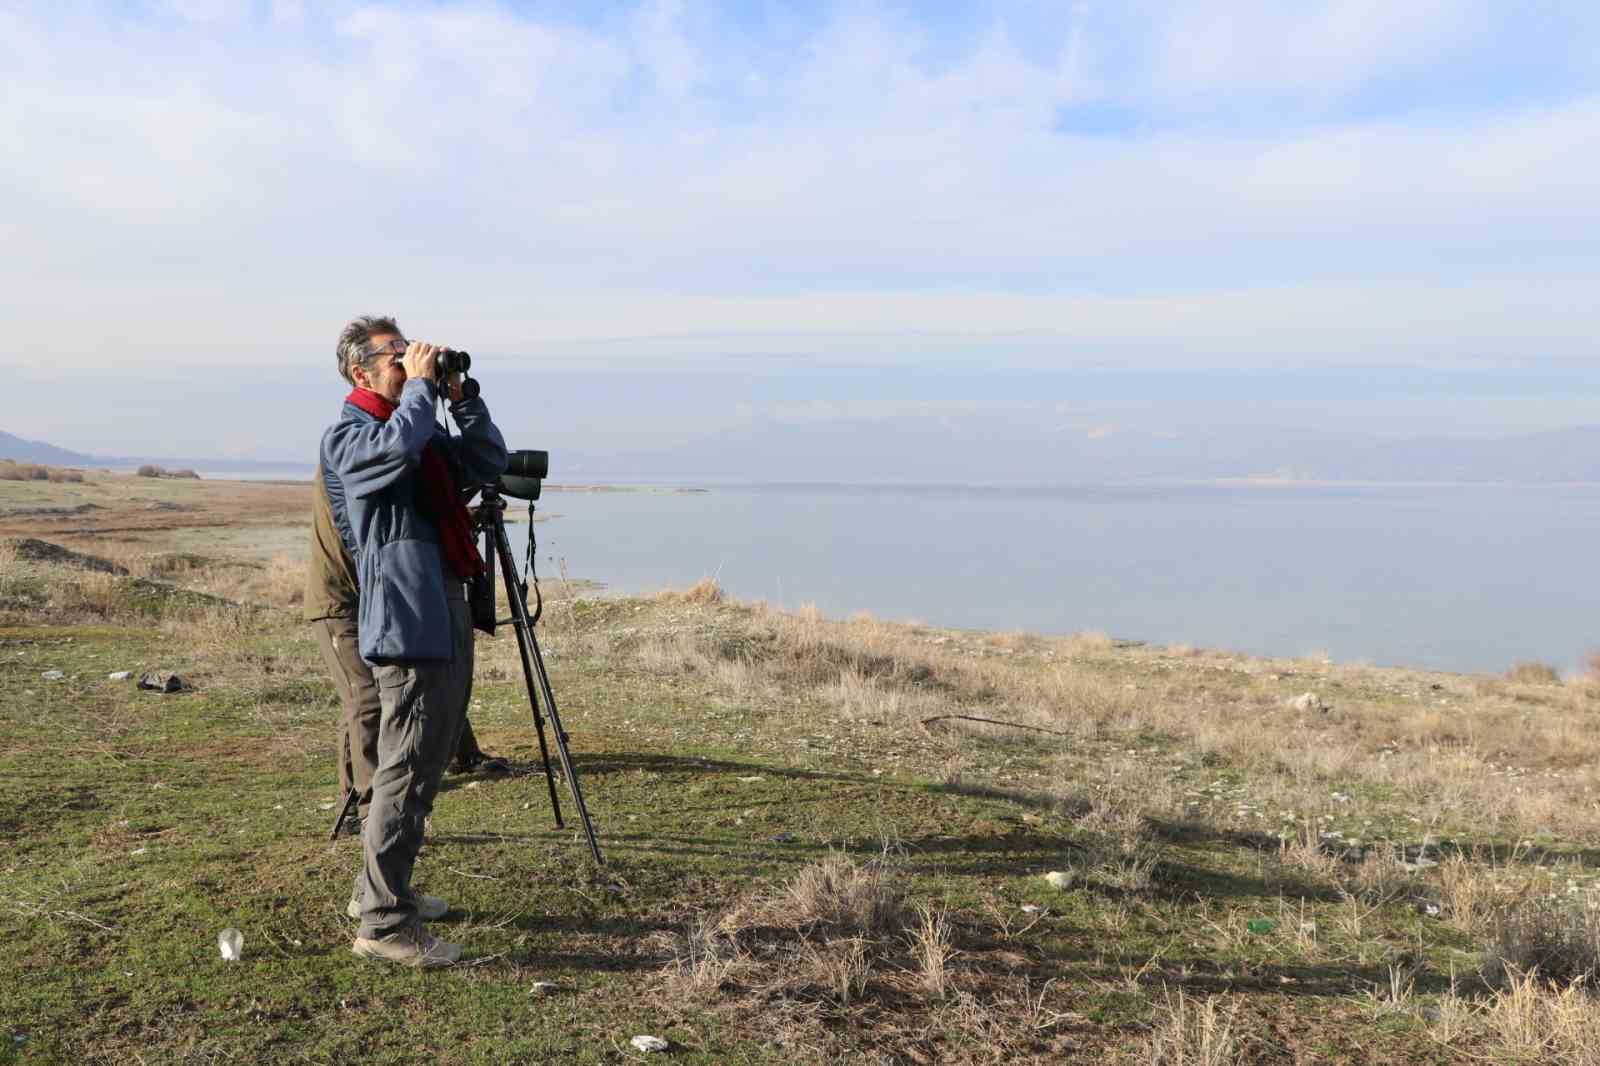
x: 208, y: 187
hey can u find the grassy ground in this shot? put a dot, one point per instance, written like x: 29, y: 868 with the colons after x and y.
x: 810, y: 857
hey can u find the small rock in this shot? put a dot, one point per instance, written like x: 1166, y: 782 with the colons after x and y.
x: 1307, y: 701
x: 474, y: 784
x: 120, y: 675
x: 1058, y: 879
x: 542, y: 988
x: 649, y: 1043
x: 1034, y: 908
x: 324, y: 806
x: 784, y: 838
x: 53, y: 675
x: 231, y: 943
x: 162, y: 682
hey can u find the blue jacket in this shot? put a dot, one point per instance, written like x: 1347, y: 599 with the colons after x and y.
x: 372, y: 467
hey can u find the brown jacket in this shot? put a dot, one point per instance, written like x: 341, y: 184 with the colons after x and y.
x: 331, y: 590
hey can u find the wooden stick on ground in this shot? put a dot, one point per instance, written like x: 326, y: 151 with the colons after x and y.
x: 926, y: 722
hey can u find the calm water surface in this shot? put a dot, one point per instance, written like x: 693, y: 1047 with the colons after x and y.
x: 1458, y: 577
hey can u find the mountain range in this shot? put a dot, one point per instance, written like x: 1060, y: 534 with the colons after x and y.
x: 981, y: 449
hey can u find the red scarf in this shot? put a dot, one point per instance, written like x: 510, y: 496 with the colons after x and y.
x: 439, y: 494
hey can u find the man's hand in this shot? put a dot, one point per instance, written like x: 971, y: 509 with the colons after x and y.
x: 420, y: 360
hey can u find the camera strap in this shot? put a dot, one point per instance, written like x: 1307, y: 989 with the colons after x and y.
x: 529, y: 574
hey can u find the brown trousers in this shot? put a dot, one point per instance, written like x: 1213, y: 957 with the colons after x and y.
x: 362, y: 711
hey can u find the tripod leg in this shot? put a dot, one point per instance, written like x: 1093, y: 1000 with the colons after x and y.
x: 519, y: 617
x: 561, y: 750
x: 344, y: 812
x: 533, y: 665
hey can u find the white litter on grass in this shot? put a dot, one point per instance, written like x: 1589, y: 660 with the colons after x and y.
x: 231, y: 943
x: 324, y: 806
x: 53, y: 675
x: 649, y: 1043
x: 542, y: 988
x: 1033, y: 908
x: 1058, y: 879
x: 752, y: 780
x: 120, y: 675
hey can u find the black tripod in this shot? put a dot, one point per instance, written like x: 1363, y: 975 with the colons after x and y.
x: 491, y: 519
x: 497, y: 547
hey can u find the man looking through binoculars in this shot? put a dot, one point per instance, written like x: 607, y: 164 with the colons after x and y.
x: 393, y: 478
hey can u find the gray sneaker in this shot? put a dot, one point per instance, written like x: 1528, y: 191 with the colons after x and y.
x: 428, y: 908
x: 411, y: 946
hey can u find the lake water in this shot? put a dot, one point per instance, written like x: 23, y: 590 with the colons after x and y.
x: 1468, y: 578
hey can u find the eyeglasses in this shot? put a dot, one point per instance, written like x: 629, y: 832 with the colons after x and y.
x: 396, y: 347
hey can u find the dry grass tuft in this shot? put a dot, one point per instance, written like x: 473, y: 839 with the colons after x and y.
x: 1542, y: 1021
x: 840, y: 892
x: 708, y: 960
x: 1191, y: 1032
x: 1551, y: 939
x: 705, y: 592
x: 1534, y: 673
x: 930, y: 940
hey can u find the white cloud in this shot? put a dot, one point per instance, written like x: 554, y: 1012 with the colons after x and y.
x: 210, y: 12
x: 651, y: 186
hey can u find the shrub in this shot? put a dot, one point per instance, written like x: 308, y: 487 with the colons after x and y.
x: 1533, y: 673
x: 1557, y: 940
x: 152, y: 470
x: 12, y: 471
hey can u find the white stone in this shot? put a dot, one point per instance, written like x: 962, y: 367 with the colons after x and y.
x: 120, y: 675
x: 649, y: 1043
x: 231, y: 943
x: 1058, y: 879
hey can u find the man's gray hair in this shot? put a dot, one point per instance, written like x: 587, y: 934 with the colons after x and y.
x: 355, y: 337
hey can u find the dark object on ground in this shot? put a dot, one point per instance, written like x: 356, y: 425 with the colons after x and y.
x: 479, y: 760
x: 926, y: 722
x: 349, y: 825
x: 44, y: 552
x: 163, y: 683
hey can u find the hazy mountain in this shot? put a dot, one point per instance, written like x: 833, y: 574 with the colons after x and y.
x: 979, y: 447
x: 33, y: 451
